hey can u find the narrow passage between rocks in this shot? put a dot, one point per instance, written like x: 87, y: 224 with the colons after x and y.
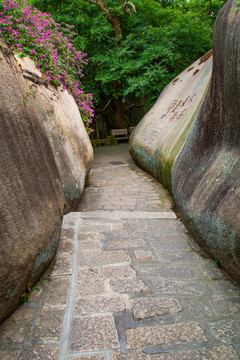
x: 128, y: 282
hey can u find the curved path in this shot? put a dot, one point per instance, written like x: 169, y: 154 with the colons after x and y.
x: 127, y: 283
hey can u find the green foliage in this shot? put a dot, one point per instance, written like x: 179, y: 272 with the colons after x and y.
x: 158, y: 42
x: 24, y: 298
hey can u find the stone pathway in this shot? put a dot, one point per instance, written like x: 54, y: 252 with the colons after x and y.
x: 127, y: 283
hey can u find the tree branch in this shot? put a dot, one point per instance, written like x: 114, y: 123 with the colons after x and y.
x: 136, y: 105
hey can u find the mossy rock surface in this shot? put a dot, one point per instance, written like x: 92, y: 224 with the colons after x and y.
x: 159, y: 137
x: 206, y: 175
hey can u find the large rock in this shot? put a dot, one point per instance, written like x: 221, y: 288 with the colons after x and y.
x: 159, y: 137
x: 64, y: 128
x: 31, y: 194
x: 206, y: 175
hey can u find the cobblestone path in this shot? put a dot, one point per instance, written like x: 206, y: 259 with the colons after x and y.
x: 128, y: 283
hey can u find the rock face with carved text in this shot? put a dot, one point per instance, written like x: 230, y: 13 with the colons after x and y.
x: 159, y: 137
x: 31, y: 194
x: 66, y: 133
x: 206, y: 175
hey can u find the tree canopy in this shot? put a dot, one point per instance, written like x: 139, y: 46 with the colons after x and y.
x: 134, y: 48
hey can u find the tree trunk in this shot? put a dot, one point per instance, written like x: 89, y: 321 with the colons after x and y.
x: 119, y: 120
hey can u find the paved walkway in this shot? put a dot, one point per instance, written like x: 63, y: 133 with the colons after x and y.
x: 127, y: 282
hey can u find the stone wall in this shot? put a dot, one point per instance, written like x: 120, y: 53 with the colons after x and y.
x: 206, y: 175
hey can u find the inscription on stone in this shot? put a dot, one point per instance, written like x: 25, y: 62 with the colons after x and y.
x: 174, y: 112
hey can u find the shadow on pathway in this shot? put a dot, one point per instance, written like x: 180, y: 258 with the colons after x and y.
x: 127, y: 283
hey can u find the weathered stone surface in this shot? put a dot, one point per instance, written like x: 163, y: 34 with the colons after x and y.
x: 165, y: 335
x: 63, y: 266
x: 130, y: 286
x: 87, y: 288
x: 93, y: 333
x: 216, y: 353
x: 96, y: 258
x: 226, y: 330
x: 169, y: 272
x: 159, y: 137
x: 40, y: 352
x: 49, y: 324
x: 176, y: 287
x: 31, y: 195
x: 121, y: 271
x: 206, y: 183
x: 89, y: 357
x: 66, y: 133
x: 135, y: 355
x: 100, y: 304
x: 150, y: 307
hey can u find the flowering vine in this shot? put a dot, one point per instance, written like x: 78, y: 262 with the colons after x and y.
x: 31, y: 32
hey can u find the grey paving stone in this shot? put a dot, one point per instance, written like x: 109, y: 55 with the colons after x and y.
x: 89, y: 225
x: 100, y: 304
x: 133, y: 355
x: 121, y: 271
x: 100, y: 258
x: 65, y: 247
x: 144, y: 255
x: 196, y: 308
x: 97, y: 236
x: 39, y: 352
x: 15, y: 332
x: 226, y: 330
x: 63, y: 266
x: 89, y: 245
x: 89, y: 357
x: 216, y: 353
x: 183, y: 258
x: 93, y: 333
x: 88, y: 274
x: 57, y: 291
x: 172, y: 245
x: 85, y: 288
x: 42, y: 352
x: 68, y: 233
x: 169, y: 271
x: 223, y: 287
x: 178, y: 287
x: 150, y: 307
x: 49, y: 323
x: 165, y: 335
x: 212, y: 271
x: 128, y: 286
x: 226, y: 305
x: 125, y: 244
x: 25, y: 311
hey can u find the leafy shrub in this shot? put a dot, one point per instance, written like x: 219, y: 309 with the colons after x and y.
x: 51, y: 45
